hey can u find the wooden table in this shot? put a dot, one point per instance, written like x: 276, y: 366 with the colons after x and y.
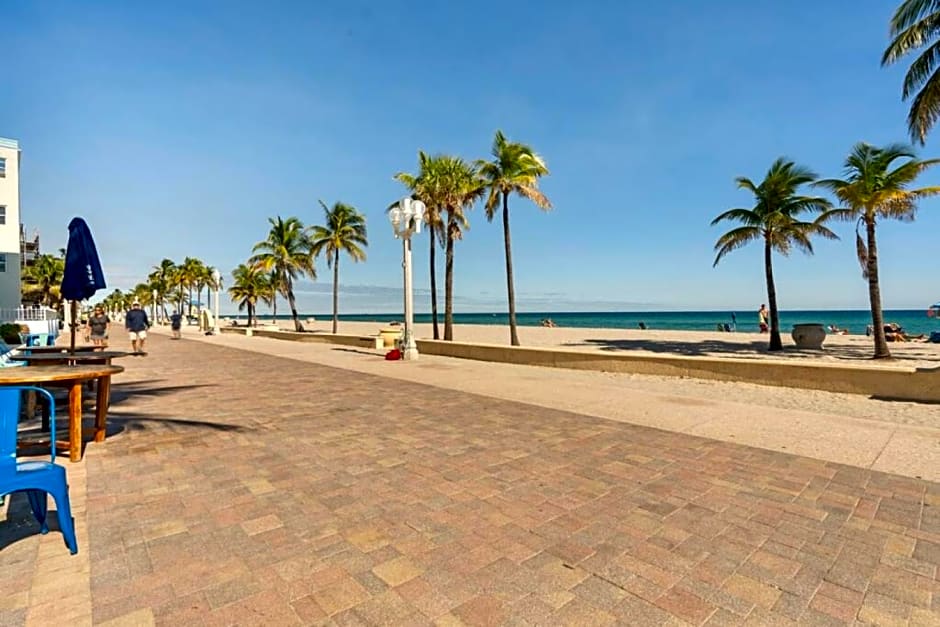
x: 71, y: 377
x: 63, y: 359
x: 45, y: 350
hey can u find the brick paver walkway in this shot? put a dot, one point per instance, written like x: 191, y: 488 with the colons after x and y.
x: 246, y: 489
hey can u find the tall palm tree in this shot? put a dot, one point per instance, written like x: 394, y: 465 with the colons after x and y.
x: 177, y: 281
x: 345, y: 230
x: 192, y: 270
x: 422, y: 187
x: 41, y: 280
x: 775, y: 219
x: 914, y: 26
x: 250, y: 284
x: 515, y: 169
x: 458, y: 185
x: 873, y: 190
x: 286, y: 251
x: 159, y: 280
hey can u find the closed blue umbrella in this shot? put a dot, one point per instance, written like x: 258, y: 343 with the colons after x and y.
x: 83, y: 275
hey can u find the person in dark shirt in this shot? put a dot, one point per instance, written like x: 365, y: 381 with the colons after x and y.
x: 176, y: 323
x: 98, y: 326
x: 137, y: 324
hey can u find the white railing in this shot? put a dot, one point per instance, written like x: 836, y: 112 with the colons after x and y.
x: 35, y: 312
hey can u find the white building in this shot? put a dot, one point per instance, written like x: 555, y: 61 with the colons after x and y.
x: 9, y: 224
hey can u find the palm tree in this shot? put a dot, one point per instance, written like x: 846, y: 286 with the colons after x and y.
x: 916, y: 25
x: 41, y: 280
x: 159, y: 280
x: 177, y: 281
x: 286, y: 251
x: 873, y: 190
x: 775, y: 220
x: 422, y: 187
x: 515, y: 169
x: 250, y: 284
x: 192, y: 271
x: 345, y: 230
x: 456, y: 185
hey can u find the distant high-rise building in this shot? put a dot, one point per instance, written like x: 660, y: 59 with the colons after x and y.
x: 9, y: 223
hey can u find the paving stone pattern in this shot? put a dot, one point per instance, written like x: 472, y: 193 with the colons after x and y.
x: 238, y: 488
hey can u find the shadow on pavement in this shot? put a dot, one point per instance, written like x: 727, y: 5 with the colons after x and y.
x: 21, y: 524
x: 121, y: 392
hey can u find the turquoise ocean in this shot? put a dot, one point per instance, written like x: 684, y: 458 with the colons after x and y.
x: 913, y: 321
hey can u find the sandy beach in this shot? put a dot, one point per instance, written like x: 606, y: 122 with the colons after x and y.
x: 841, y: 349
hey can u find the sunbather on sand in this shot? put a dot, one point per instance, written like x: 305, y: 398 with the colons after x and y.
x: 895, y: 333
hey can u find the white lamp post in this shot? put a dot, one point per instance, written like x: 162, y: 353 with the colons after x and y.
x: 217, y: 285
x: 406, y: 220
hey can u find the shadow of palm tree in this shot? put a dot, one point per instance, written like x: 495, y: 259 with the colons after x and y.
x: 118, y: 422
x: 738, y: 349
x: 124, y: 391
x: 701, y: 348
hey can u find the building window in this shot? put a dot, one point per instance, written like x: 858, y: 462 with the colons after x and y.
x: 3, y: 214
x: 3, y: 262
x: 3, y: 167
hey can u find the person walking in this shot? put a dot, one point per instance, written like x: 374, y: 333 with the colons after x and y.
x: 99, y: 324
x: 137, y: 324
x: 762, y: 317
x: 176, y: 324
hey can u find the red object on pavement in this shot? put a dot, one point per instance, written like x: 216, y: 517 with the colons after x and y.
x: 393, y: 355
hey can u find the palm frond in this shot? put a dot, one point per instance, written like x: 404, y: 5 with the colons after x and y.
x: 745, y: 216
x: 910, y: 34
x: 734, y: 239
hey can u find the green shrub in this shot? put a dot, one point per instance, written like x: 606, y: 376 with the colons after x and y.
x: 10, y: 333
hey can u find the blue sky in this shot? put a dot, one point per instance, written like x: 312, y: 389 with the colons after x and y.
x: 178, y: 128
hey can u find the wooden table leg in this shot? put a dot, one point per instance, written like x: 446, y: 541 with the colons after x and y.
x: 75, y: 421
x: 102, y: 401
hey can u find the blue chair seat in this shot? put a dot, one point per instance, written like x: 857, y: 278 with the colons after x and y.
x: 36, y: 478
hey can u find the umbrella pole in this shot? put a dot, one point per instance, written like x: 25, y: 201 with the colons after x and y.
x: 73, y: 324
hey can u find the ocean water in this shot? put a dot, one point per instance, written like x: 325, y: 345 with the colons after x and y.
x: 913, y: 321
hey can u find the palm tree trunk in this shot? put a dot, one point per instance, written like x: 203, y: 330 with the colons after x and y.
x: 274, y: 306
x: 775, y: 343
x: 874, y: 294
x: 250, y: 312
x: 335, y: 292
x: 433, y: 273
x: 449, y: 280
x: 510, y: 290
x: 293, y: 306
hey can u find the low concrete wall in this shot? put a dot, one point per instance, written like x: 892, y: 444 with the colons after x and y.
x: 912, y: 384
x: 293, y: 336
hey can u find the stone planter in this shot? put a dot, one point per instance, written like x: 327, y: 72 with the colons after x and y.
x: 809, y: 335
x: 389, y: 336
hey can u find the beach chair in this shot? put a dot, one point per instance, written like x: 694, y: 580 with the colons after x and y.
x: 36, y: 478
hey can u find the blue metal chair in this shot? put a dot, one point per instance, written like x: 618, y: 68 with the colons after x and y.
x: 36, y: 478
